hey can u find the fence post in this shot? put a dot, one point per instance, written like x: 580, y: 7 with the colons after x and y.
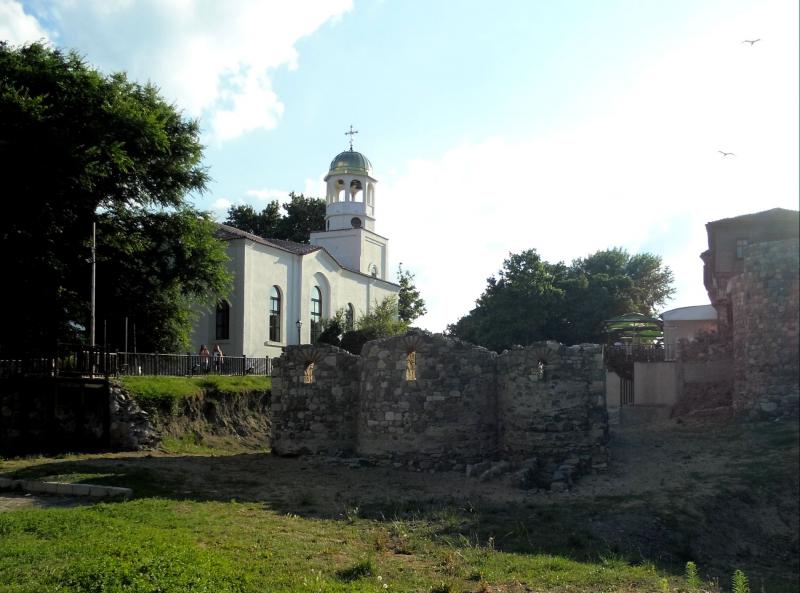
x: 189, y: 364
x: 244, y: 364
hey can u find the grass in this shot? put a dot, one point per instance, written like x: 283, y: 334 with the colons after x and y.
x: 155, y: 544
x: 177, y: 387
x: 165, y: 393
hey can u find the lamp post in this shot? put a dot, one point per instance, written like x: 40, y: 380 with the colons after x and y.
x: 299, y: 325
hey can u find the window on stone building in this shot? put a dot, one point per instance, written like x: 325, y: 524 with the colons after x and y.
x: 411, y: 366
x: 740, y: 246
x: 275, y: 315
x: 223, y: 330
x: 308, y: 374
x: 316, y: 313
x: 350, y: 317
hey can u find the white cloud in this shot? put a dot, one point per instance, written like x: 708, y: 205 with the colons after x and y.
x: 646, y: 176
x: 220, y: 207
x: 214, y: 59
x: 267, y: 194
x: 16, y: 26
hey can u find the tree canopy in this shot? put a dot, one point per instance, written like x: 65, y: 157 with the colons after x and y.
x: 77, y: 147
x: 303, y: 215
x: 410, y: 304
x: 531, y: 300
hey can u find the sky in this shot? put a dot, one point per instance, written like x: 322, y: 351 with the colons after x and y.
x: 568, y: 127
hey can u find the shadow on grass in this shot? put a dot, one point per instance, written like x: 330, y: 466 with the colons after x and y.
x: 719, y: 530
x: 578, y: 530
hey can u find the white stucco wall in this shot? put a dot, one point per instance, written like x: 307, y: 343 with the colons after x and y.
x: 655, y: 383
x: 257, y: 268
x: 612, y: 389
x: 204, y: 331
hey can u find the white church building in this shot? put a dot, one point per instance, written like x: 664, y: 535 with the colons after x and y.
x: 282, y: 290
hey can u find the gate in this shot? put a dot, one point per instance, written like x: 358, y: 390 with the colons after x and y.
x: 625, y: 391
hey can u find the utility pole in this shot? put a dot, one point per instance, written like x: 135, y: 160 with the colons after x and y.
x: 94, y: 273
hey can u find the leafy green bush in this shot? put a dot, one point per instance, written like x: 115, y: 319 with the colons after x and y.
x: 381, y: 322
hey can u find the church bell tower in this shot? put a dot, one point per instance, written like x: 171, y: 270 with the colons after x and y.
x: 349, y: 233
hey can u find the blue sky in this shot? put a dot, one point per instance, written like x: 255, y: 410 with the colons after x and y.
x: 493, y: 127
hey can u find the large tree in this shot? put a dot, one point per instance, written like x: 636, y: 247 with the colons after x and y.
x: 532, y: 300
x: 522, y: 304
x: 77, y: 147
x: 302, y: 216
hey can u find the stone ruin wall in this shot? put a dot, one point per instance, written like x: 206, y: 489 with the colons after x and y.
x: 314, y: 400
x: 443, y: 417
x: 705, y: 374
x: 434, y: 403
x: 551, y: 402
x: 766, y: 329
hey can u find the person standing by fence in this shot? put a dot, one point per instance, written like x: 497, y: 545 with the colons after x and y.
x: 205, y: 357
x: 218, y: 357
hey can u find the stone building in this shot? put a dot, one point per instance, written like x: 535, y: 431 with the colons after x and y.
x: 728, y: 240
x: 751, y: 273
x: 284, y: 290
x: 431, y: 402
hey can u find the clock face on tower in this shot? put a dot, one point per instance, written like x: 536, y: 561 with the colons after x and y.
x: 355, y: 222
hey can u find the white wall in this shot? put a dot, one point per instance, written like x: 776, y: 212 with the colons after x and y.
x: 264, y: 267
x: 655, y: 383
x: 204, y: 331
x: 612, y: 389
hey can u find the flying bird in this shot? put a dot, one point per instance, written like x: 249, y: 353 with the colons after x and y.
x: 723, y: 153
x: 751, y: 41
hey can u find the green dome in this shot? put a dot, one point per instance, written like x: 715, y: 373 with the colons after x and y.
x: 350, y: 161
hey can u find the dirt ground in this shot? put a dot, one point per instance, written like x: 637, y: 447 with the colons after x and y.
x: 721, y: 493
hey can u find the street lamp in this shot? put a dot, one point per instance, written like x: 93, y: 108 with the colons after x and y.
x: 299, y: 325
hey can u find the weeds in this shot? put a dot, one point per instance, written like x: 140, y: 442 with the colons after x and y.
x: 693, y: 582
x: 739, y: 583
x: 363, y: 568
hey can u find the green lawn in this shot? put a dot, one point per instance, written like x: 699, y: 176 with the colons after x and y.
x: 160, y: 545
x: 164, y: 393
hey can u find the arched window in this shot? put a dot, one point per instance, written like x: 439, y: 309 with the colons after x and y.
x: 316, y: 313
x: 223, y: 320
x: 275, y: 315
x: 411, y: 365
x: 350, y: 317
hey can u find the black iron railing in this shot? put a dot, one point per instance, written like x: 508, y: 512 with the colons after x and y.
x: 94, y: 362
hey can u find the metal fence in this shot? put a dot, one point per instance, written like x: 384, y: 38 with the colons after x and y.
x: 88, y: 362
x: 640, y: 353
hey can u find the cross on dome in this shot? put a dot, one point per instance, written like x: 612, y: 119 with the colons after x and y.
x: 351, y: 133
